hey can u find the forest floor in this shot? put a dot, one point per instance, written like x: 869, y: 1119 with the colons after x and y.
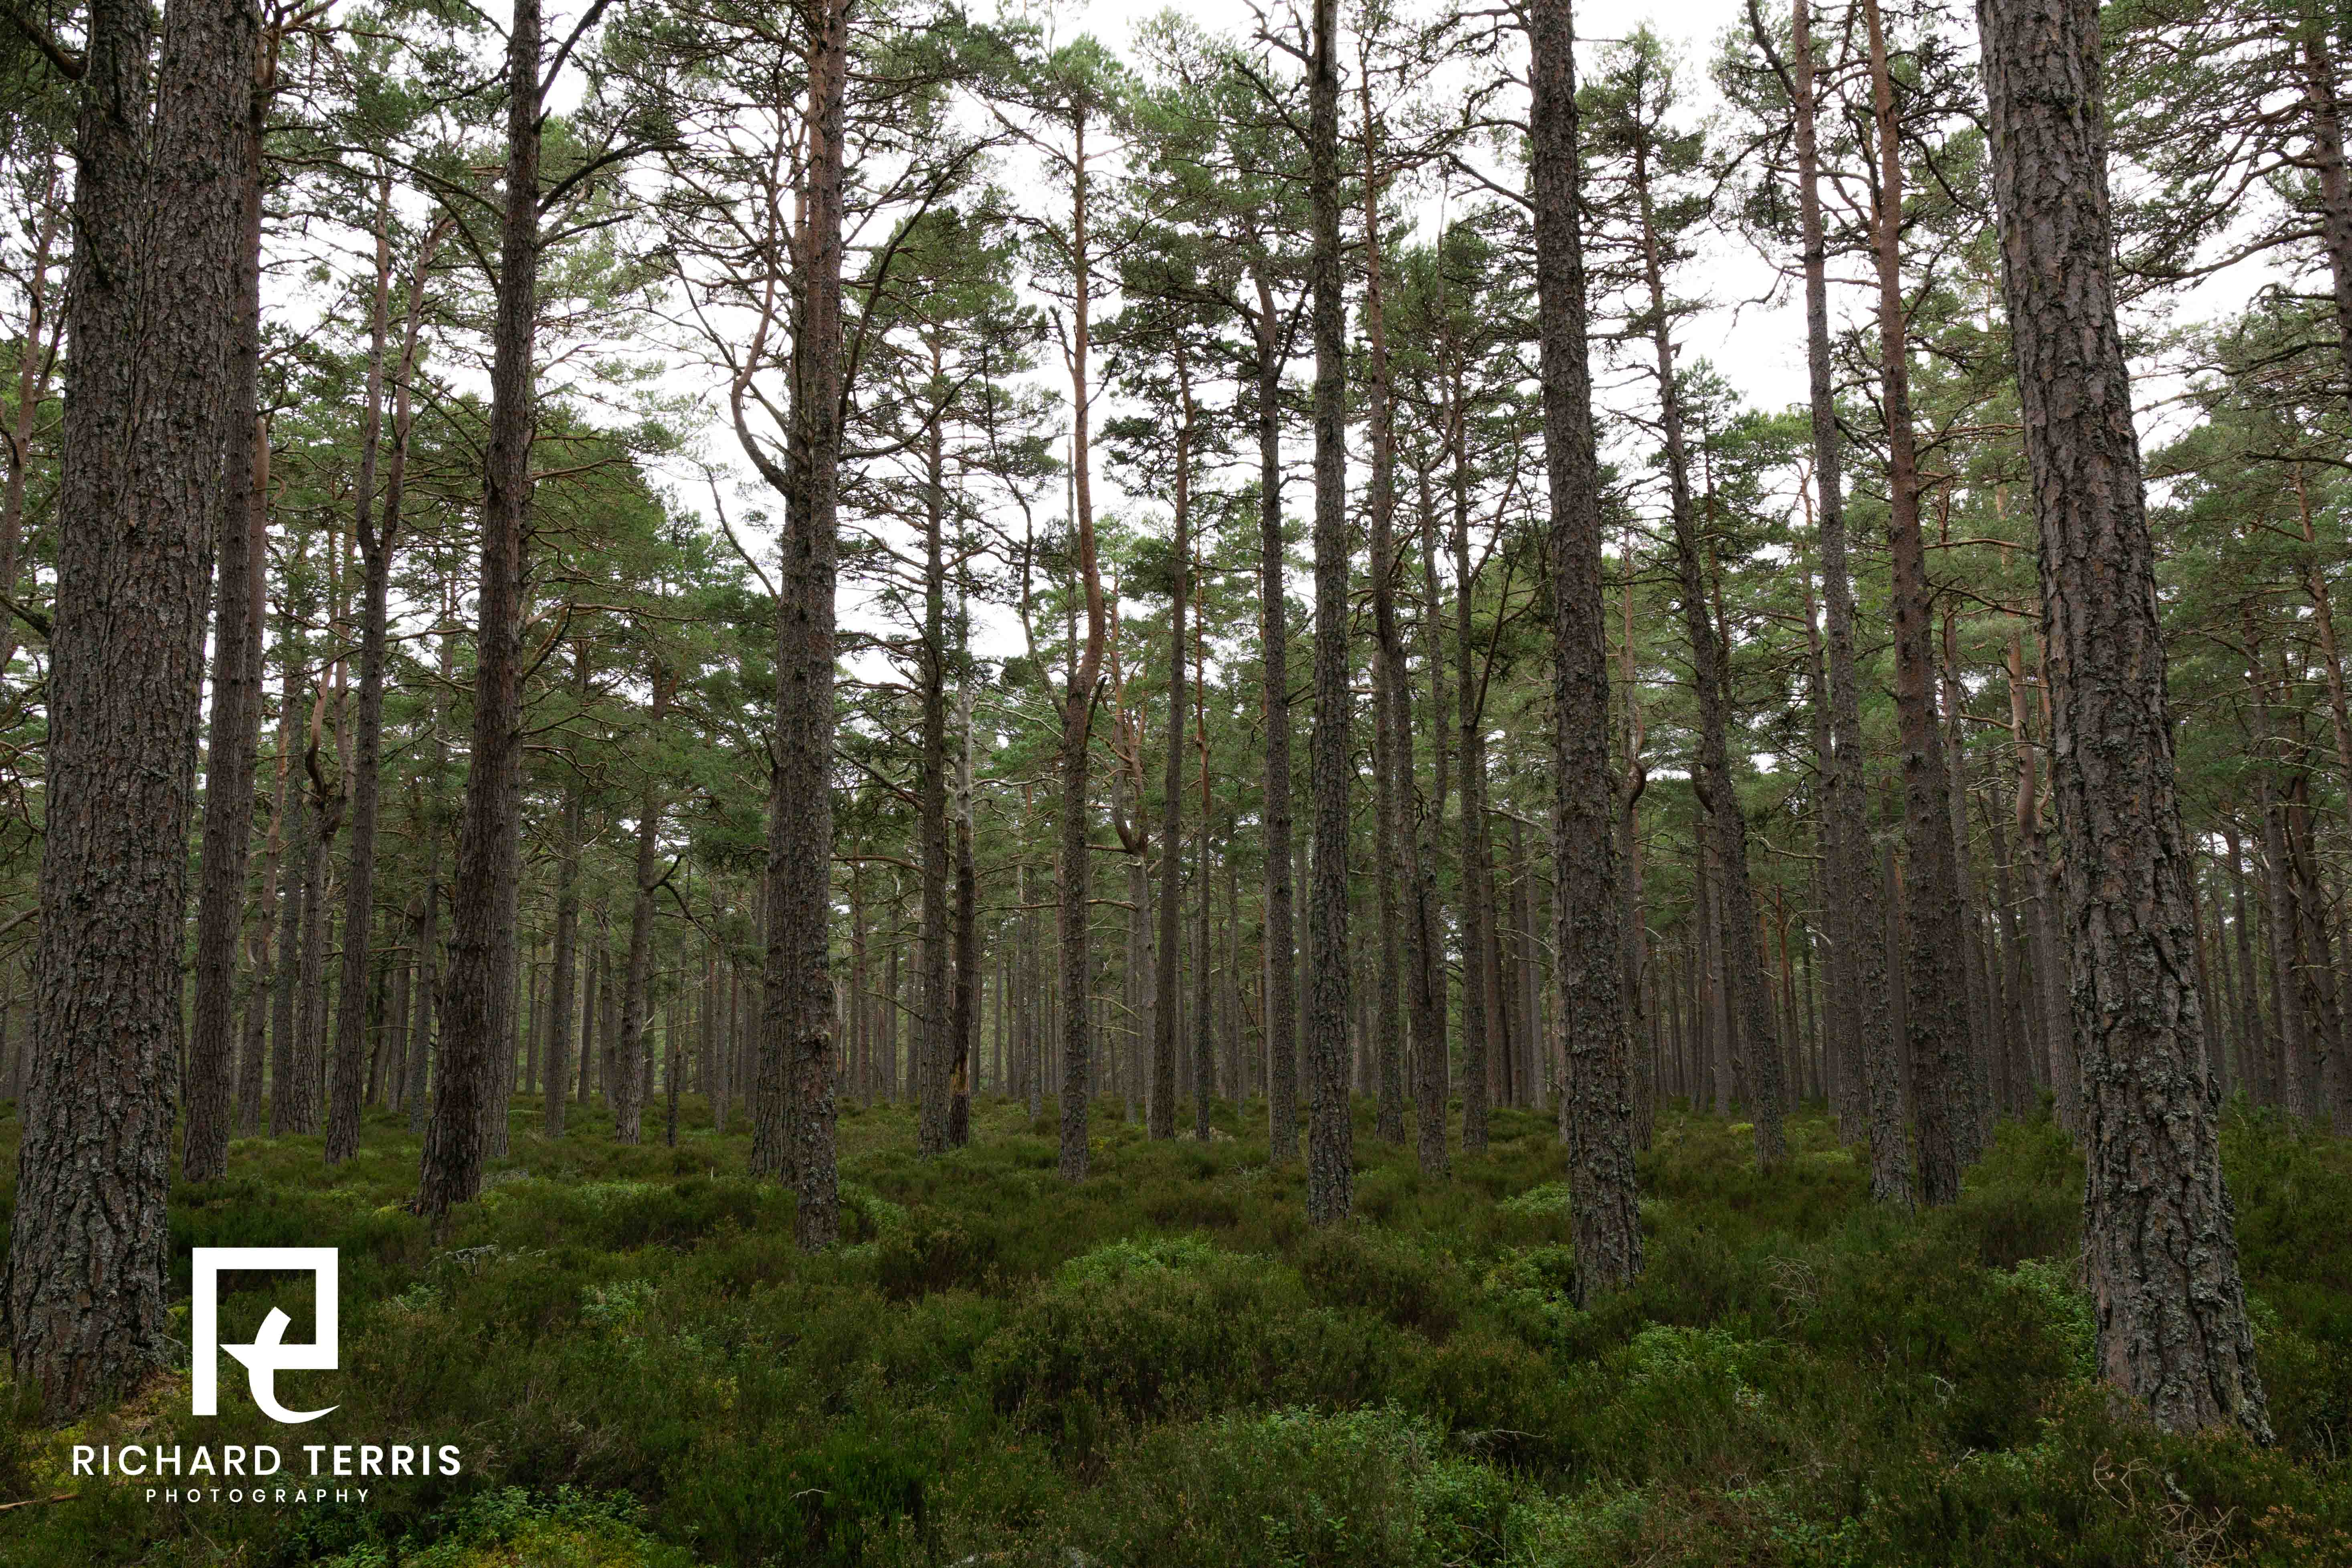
x: 1165, y: 1365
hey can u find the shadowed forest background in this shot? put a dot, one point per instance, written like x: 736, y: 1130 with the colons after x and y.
x: 963, y: 792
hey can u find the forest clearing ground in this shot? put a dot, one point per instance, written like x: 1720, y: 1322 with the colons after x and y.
x: 1164, y: 1364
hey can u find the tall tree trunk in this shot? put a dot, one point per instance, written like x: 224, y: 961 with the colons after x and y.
x: 430, y: 968
x: 1475, y: 884
x: 152, y: 308
x: 963, y: 1009
x: 1331, y: 1161
x: 1750, y: 1001
x: 1854, y: 877
x: 1935, y: 988
x: 1431, y: 1072
x: 1392, y: 730
x: 1596, y: 1114
x: 932, y: 807
x: 633, y: 1058
x: 2253, y: 1047
x: 477, y: 996
x: 236, y: 724
x: 1274, y: 654
x: 1073, y: 877
x: 2157, y: 1240
x: 567, y: 926
x: 1160, y: 1097
x: 376, y: 544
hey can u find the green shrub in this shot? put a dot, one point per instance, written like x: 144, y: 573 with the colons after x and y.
x: 1357, y: 1266
x: 1297, y: 1489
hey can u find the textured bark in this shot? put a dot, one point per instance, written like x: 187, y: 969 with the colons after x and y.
x: 376, y: 541
x: 235, y: 728
x: 1934, y: 1006
x: 1595, y: 1107
x: 1331, y: 1136
x: 478, y: 991
x: 152, y: 304
x: 2157, y: 1237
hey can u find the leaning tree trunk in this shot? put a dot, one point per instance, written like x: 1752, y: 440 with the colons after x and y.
x: 1935, y: 1005
x: 152, y: 308
x: 478, y: 991
x: 1330, y: 1130
x: 236, y: 725
x: 2157, y: 1232
x: 1596, y: 1111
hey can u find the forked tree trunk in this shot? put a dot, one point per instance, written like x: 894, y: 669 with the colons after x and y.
x: 2157, y: 1238
x: 1596, y: 1112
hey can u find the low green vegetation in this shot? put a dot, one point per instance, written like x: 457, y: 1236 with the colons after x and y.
x: 1165, y: 1365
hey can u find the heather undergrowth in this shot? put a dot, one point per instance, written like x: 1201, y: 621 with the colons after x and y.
x: 1164, y: 1364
